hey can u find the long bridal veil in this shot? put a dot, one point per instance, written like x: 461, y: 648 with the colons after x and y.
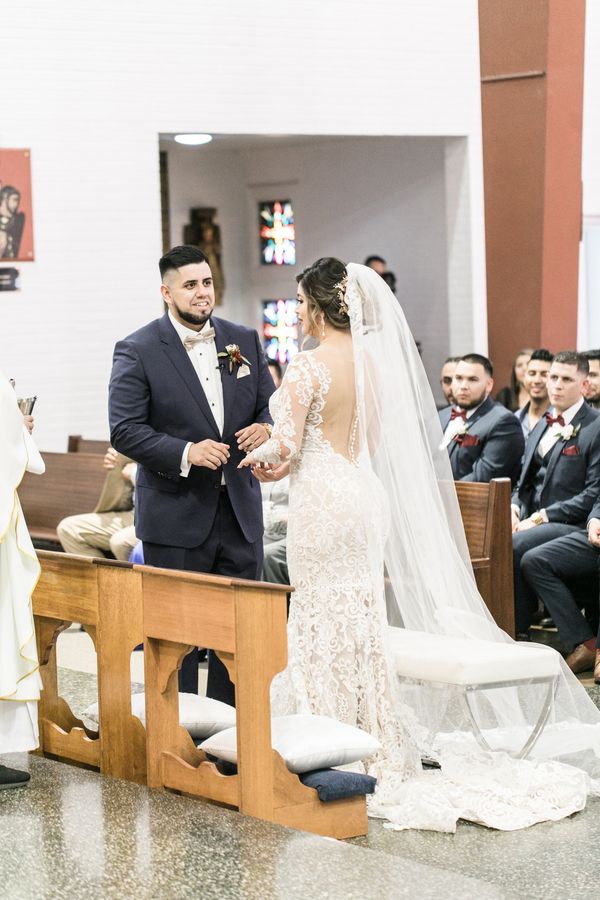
x: 430, y: 584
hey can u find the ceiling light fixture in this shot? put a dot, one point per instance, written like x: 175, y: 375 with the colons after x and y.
x: 193, y: 140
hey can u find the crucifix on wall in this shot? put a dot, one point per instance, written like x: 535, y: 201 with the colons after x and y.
x: 203, y: 232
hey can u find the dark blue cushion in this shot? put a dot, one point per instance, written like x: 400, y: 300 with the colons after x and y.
x: 331, y: 784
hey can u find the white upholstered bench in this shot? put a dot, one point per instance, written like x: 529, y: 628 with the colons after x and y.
x: 475, y: 665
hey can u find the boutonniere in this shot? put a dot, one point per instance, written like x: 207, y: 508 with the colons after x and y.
x: 568, y: 432
x: 232, y: 353
x: 461, y: 431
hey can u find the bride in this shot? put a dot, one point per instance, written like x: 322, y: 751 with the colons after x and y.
x: 371, y: 493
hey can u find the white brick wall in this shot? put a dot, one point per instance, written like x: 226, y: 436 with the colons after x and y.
x: 89, y: 86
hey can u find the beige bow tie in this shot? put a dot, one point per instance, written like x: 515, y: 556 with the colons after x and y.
x: 204, y: 336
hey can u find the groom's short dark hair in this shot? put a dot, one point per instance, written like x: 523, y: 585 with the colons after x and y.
x: 476, y: 359
x: 180, y: 256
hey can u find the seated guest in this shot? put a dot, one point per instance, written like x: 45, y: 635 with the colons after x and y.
x: 550, y: 570
x: 560, y: 478
x: 484, y: 439
x: 110, y: 527
x: 592, y: 391
x: 535, y: 381
x: 515, y: 396
x: 446, y: 376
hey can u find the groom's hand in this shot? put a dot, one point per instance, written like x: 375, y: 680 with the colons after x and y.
x: 251, y: 437
x: 209, y: 454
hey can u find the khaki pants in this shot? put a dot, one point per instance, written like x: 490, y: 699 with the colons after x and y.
x: 92, y: 534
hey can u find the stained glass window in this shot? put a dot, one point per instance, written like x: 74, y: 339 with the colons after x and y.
x: 280, y: 328
x: 277, y: 233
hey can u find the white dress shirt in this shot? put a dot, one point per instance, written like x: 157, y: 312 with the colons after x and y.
x: 455, y: 426
x: 203, y: 357
x: 552, y: 433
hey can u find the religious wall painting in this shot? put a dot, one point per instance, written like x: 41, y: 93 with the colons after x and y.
x: 203, y: 232
x: 277, y: 233
x: 280, y: 329
x: 16, y: 223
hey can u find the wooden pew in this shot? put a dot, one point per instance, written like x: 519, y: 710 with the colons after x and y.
x: 105, y: 597
x: 245, y: 622
x: 71, y: 484
x: 485, y: 510
x: 78, y: 444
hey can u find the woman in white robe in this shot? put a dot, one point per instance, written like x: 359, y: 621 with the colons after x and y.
x: 19, y: 571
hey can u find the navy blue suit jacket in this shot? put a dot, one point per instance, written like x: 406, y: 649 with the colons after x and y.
x: 572, y: 480
x: 157, y: 405
x: 492, y: 448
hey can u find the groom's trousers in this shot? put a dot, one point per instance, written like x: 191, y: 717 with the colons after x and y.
x: 225, y: 552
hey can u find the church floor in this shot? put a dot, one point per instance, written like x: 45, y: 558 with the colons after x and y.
x: 75, y: 833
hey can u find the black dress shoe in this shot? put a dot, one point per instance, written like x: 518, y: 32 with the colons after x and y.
x: 12, y: 778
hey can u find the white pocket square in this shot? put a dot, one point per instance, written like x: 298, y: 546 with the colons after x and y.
x: 243, y: 371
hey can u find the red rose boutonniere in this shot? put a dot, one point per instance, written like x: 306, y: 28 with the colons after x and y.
x: 232, y: 353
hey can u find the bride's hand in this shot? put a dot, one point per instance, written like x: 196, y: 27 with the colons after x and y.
x: 268, y: 473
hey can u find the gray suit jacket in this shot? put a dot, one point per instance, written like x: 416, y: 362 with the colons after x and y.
x: 492, y: 447
x: 572, y: 480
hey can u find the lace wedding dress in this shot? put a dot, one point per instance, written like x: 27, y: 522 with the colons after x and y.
x: 349, y: 516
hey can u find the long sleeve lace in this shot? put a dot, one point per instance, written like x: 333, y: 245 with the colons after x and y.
x: 290, y: 407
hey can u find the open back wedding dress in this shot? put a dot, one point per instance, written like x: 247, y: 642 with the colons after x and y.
x: 371, y: 492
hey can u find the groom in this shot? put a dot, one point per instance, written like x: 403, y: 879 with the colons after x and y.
x: 188, y: 397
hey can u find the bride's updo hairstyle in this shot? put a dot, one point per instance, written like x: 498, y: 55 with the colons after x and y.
x: 324, y: 284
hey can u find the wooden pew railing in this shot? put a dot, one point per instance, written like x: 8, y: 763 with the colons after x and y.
x: 105, y: 597
x: 70, y: 485
x: 485, y: 511
x: 245, y: 623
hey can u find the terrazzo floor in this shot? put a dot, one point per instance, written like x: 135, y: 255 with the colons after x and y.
x: 74, y: 833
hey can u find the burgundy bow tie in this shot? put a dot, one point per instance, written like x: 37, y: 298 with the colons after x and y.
x: 458, y: 414
x: 551, y: 420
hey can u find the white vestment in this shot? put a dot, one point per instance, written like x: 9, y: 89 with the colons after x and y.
x: 20, y: 681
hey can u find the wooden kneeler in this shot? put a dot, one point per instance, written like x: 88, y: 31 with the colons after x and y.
x: 105, y: 597
x: 245, y: 623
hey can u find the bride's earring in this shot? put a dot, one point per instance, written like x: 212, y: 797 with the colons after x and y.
x: 323, y: 327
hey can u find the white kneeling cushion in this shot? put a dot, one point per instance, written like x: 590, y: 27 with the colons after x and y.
x: 466, y: 661
x: 304, y: 742
x: 201, y: 716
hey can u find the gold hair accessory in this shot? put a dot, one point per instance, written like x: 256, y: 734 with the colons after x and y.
x: 341, y: 292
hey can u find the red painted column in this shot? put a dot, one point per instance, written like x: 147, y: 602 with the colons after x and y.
x: 532, y: 109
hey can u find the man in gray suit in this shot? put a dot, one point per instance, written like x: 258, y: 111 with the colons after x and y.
x: 560, y: 479
x: 483, y: 438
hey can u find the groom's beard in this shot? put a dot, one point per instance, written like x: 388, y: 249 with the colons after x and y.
x: 192, y: 318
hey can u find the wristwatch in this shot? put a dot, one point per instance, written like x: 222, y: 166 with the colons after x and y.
x: 537, y: 518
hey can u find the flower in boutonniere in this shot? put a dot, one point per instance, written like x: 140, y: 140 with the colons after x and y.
x: 460, y: 432
x: 232, y: 353
x: 568, y: 432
